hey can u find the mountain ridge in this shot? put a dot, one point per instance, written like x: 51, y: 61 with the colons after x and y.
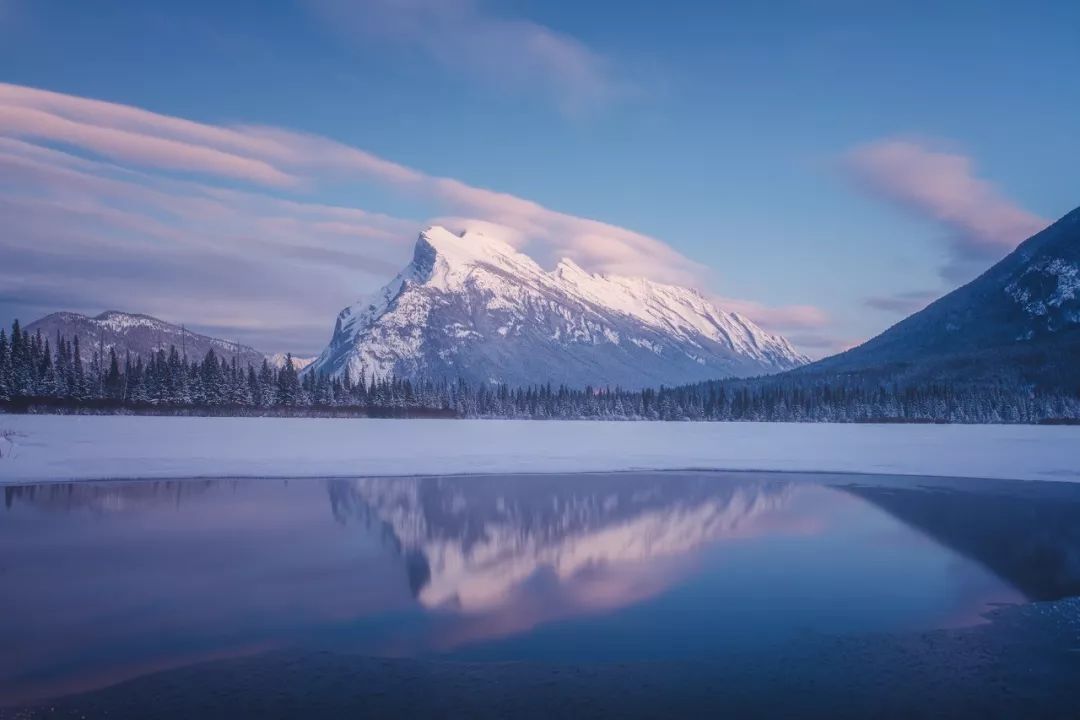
x: 138, y: 334
x: 1017, y: 321
x: 472, y: 306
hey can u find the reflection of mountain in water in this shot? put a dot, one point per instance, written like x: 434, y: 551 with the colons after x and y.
x: 1031, y: 541
x: 470, y: 542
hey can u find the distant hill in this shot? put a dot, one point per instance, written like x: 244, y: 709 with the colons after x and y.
x: 1019, y: 322
x: 139, y: 335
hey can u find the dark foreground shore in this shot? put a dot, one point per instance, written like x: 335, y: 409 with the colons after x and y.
x: 1024, y: 663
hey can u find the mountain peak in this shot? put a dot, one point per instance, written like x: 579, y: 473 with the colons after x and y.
x: 120, y: 313
x: 567, y: 269
x: 462, y: 248
x: 446, y: 259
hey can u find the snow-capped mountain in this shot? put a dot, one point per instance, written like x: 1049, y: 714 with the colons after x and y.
x: 471, y: 306
x: 278, y: 360
x: 137, y: 334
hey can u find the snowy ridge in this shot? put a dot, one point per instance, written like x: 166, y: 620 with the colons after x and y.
x: 278, y: 360
x: 472, y: 306
x: 138, y: 335
x: 144, y: 335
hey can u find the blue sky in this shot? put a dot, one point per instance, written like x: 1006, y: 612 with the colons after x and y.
x: 823, y: 167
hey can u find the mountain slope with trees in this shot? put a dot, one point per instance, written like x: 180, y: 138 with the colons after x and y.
x: 139, y: 335
x: 1017, y: 323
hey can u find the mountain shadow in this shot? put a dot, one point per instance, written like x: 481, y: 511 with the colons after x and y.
x: 1032, y: 541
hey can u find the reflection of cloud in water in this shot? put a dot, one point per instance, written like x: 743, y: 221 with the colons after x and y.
x: 474, y: 544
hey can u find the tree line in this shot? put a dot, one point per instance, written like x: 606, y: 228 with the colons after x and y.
x: 58, y: 374
x: 40, y: 372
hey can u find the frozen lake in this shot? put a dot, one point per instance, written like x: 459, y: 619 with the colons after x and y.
x: 51, y: 448
x: 544, y: 587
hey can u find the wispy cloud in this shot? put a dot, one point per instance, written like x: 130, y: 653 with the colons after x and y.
x: 281, y: 159
x: 903, y: 303
x: 819, y: 345
x: 982, y: 224
x: 778, y: 317
x: 82, y: 180
x: 83, y: 234
x: 512, y: 53
x: 263, y: 156
x: 129, y: 135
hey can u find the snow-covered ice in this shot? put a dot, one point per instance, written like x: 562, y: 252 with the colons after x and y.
x: 57, y: 448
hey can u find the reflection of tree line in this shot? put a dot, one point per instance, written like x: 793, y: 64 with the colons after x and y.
x: 105, y: 496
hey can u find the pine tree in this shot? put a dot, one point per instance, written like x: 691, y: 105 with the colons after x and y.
x: 266, y: 383
x: 114, y: 381
x: 289, y: 391
x: 79, y: 391
x: 5, y: 366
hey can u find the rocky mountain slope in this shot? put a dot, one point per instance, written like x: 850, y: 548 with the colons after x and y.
x: 137, y: 334
x: 471, y: 306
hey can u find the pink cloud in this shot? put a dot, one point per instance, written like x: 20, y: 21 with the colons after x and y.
x: 819, y: 345
x: 782, y: 317
x: 135, y: 146
x: 807, y: 327
x: 85, y: 235
x: 983, y: 225
x: 131, y: 118
x: 275, y: 157
x: 262, y: 155
x: 314, y: 153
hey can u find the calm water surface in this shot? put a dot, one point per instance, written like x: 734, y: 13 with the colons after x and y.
x: 103, y: 582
